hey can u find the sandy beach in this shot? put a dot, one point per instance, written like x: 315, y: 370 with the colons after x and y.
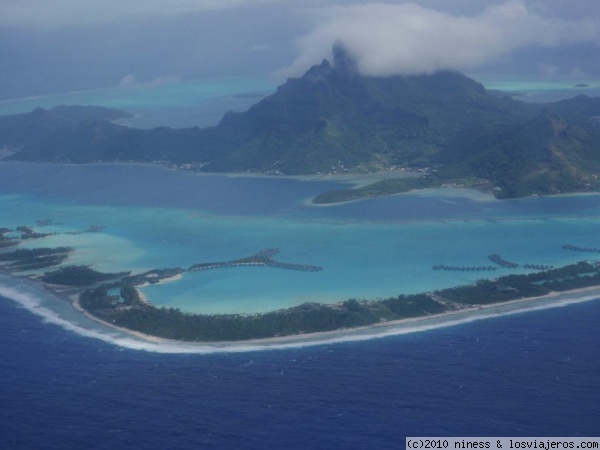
x: 521, y: 304
x: 177, y: 277
x: 75, y: 302
x: 374, y: 330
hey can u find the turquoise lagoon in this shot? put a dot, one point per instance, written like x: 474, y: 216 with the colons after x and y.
x: 158, y: 218
x: 535, y: 88
x: 177, y: 104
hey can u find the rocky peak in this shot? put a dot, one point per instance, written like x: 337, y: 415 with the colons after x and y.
x: 318, y: 72
x: 343, y: 66
x: 343, y: 63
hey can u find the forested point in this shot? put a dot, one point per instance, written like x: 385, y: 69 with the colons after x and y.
x: 113, y: 297
x: 174, y: 324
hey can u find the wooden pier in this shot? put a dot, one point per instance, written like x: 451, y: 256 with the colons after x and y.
x: 502, y: 262
x: 262, y: 258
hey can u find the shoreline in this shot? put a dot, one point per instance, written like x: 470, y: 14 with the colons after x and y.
x: 135, y: 316
x: 74, y: 300
x: 355, y: 180
x: 324, y: 336
x: 349, y: 334
x: 467, y: 193
x: 177, y: 277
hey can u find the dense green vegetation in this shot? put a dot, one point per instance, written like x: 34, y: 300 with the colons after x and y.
x: 27, y: 255
x: 171, y: 323
x: 34, y: 259
x: 333, y: 120
x: 405, y: 306
x: 6, y: 241
x: 114, y: 298
x: 384, y: 187
x: 31, y: 131
x: 130, y: 295
x: 79, y: 276
x: 97, y: 299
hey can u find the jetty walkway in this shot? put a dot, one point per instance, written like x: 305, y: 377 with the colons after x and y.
x: 262, y: 258
x: 502, y: 262
x: 463, y: 268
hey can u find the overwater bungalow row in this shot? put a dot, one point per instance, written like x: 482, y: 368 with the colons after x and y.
x: 95, y: 228
x: 222, y: 265
x: 44, y: 222
x: 538, y: 267
x: 502, y: 262
x: 290, y: 266
x: 464, y: 268
x: 581, y: 249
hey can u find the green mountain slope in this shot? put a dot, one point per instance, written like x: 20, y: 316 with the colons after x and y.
x: 334, y: 120
x: 23, y: 131
x: 547, y: 155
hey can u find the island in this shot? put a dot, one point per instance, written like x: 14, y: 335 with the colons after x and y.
x: 115, y: 300
x: 132, y: 312
x: 444, y: 126
x: 437, y: 130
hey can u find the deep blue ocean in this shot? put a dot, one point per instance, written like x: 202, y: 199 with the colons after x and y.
x: 531, y: 374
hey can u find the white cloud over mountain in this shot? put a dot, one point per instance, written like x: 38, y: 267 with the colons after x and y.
x: 388, y: 39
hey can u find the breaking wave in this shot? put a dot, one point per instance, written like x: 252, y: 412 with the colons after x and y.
x: 53, y: 311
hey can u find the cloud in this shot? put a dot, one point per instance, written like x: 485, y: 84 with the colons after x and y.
x: 58, y: 13
x: 128, y: 81
x: 548, y: 70
x: 388, y: 39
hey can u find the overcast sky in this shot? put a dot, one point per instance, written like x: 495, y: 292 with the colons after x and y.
x: 49, y: 46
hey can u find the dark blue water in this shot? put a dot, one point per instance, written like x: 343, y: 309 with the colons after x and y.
x: 533, y: 374
x: 154, y: 186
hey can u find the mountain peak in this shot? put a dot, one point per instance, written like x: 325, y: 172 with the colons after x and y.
x: 318, y: 72
x: 343, y: 63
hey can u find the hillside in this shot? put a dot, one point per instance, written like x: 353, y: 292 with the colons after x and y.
x: 556, y: 152
x: 25, y: 131
x: 334, y: 120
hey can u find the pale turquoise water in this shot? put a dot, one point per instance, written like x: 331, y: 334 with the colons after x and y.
x: 177, y: 104
x: 542, y: 89
x: 157, y: 218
